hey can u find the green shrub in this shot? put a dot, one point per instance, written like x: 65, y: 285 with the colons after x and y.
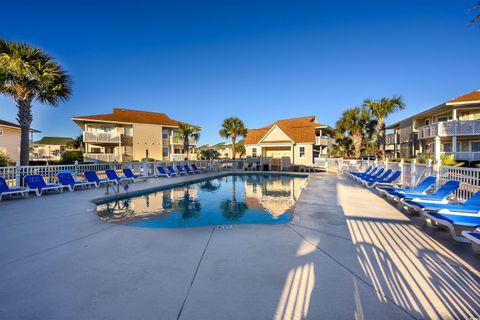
x: 69, y: 157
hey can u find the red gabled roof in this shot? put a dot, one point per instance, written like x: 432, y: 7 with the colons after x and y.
x: 469, y: 97
x: 300, y: 130
x: 133, y: 116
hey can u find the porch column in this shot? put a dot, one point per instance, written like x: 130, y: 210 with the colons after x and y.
x: 454, y: 146
x: 437, y: 149
x: 292, y: 153
x: 454, y: 114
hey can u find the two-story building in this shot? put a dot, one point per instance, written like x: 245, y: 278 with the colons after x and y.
x: 49, y: 148
x: 300, y: 139
x: 452, y: 127
x: 131, y: 135
x: 10, y: 139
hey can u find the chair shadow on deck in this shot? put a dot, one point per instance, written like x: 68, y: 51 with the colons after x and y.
x: 414, y: 271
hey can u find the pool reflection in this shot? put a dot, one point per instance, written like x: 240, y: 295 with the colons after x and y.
x: 233, y: 199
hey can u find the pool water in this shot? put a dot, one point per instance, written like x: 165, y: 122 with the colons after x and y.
x: 231, y: 199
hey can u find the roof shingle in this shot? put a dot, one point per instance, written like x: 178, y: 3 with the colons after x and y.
x: 469, y: 97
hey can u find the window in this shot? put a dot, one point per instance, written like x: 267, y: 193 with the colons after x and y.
x: 427, y: 122
x: 1, y: 132
x: 302, y: 152
x: 254, y: 152
x: 444, y: 118
x: 165, y: 152
x: 165, y: 133
x: 475, y: 146
x: 446, y: 147
x: 179, y: 151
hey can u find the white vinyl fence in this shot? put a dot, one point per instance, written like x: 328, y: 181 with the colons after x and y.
x: 413, y: 173
x: 14, y: 175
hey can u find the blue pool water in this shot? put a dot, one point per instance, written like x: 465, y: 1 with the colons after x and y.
x: 231, y: 199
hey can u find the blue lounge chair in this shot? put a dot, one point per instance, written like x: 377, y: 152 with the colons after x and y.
x: 372, y: 176
x: 385, y: 182
x: 451, y: 220
x: 197, y: 170
x: 472, y: 205
x: 162, y: 172
x: 188, y: 170
x: 172, y: 171
x: 36, y: 183
x: 356, y: 173
x: 180, y: 170
x: 112, y: 175
x: 129, y: 174
x: 422, y: 188
x: 5, y: 190
x: 91, y: 176
x: 380, y: 177
x: 439, y: 196
x: 67, y: 180
x: 474, y: 237
x: 365, y: 175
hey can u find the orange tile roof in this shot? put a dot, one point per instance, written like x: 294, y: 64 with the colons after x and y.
x: 133, y: 116
x: 469, y: 97
x: 300, y: 130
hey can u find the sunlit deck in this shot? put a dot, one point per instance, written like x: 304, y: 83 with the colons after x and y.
x: 347, y: 254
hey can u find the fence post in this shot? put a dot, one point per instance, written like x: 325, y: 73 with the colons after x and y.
x: 145, y: 167
x: 402, y: 171
x: 76, y: 168
x: 413, y: 172
x: 429, y: 167
x: 437, y: 165
x: 18, y: 174
x: 386, y: 163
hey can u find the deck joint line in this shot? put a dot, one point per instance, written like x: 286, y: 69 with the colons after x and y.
x: 195, y: 274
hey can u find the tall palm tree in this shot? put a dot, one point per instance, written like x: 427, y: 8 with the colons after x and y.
x: 354, y: 124
x: 476, y: 19
x: 185, y: 133
x: 380, y: 110
x: 233, y: 128
x: 28, y: 74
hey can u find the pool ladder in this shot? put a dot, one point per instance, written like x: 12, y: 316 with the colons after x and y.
x: 117, y: 189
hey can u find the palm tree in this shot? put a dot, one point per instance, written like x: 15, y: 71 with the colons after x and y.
x: 354, y: 124
x: 28, y: 74
x: 186, y: 132
x: 233, y: 128
x: 380, y: 110
x: 476, y: 19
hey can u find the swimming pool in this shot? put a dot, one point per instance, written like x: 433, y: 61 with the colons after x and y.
x: 227, y: 200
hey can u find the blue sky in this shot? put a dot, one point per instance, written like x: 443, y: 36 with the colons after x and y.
x: 203, y: 61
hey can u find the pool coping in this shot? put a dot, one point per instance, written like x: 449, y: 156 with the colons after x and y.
x: 201, y: 177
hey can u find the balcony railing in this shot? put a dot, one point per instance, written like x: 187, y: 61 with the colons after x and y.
x: 391, y: 139
x: 450, y: 128
x: 324, y: 141
x: 111, y: 137
x: 178, y: 140
x: 102, y: 157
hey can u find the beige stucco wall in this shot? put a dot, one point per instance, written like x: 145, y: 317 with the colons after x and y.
x: 10, y: 142
x: 146, y: 136
x: 307, y: 159
x: 53, y: 152
x: 276, y: 134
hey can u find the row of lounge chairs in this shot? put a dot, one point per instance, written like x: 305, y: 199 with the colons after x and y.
x: 462, y: 219
x: 36, y: 183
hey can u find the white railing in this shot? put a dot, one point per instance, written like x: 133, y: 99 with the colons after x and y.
x: 112, y: 137
x: 391, y: 139
x: 413, y: 173
x: 450, y: 128
x: 324, y: 141
x: 103, y: 157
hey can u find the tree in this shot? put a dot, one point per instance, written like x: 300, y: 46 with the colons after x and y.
x: 28, y: 74
x: 185, y: 133
x: 354, y: 124
x: 342, y: 147
x: 240, y: 150
x: 380, y: 110
x: 233, y: 128
x: 75, y: 144
x: 208, y: 154
x: 5, y: 159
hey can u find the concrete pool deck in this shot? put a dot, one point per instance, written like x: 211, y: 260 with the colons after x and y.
x: 347, y: 254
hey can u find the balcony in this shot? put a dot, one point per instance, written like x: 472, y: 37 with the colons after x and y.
x: 102, y: 157
x: 324, y: 141
x: 450, y: 129
x: 102, y: 137
x: 392, y: 139
x: 176, y: 140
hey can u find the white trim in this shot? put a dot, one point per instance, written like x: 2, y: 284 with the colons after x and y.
x: 271, y: 129
x: 462, y: 103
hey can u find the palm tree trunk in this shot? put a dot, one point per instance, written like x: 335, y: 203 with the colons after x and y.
x: 25, y: 120
x: 233, y: 147
x: 357, y: 144
x: 381, y: 139
x: 186, y: 146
